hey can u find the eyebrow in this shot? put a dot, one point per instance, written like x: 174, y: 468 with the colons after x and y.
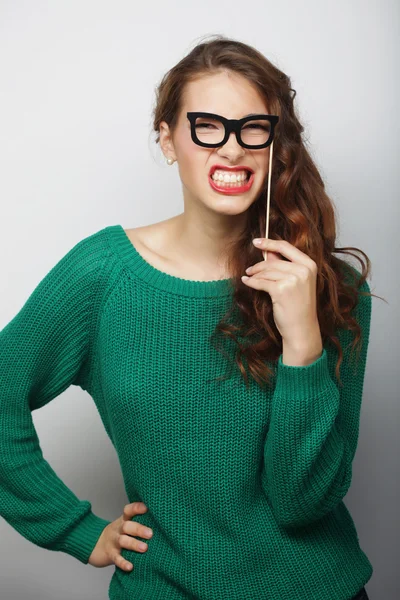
x: 251, y: 115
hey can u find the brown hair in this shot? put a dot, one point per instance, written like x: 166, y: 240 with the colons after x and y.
x: 300, y: 210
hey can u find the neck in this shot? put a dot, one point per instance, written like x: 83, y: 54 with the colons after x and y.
x: 204, y: 241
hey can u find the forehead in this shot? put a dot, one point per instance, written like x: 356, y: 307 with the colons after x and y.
x: 228, y: 94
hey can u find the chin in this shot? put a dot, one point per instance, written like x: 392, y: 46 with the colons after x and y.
x: 229, y: 205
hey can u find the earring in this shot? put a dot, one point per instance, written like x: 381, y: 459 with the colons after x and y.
x: 170, y: 161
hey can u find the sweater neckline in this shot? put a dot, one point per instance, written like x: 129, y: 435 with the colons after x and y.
x: 159, y: 279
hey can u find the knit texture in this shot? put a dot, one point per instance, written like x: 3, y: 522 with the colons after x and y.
x: 244, y: 486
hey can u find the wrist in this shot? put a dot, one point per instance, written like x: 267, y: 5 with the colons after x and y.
x: 302, y: 352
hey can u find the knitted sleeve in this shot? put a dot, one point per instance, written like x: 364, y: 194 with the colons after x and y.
x: 44, y: 350
x: 313, y: 433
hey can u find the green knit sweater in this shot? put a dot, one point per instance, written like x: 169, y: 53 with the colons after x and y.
x: 244, y: 486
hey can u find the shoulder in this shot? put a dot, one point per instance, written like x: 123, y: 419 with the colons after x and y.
x: 86, y: 269
x: 83, y: 259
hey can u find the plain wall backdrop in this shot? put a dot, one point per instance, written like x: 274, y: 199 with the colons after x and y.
x: 77, y: 153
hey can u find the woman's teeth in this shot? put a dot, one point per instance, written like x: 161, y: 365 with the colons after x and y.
x: 228, y: 178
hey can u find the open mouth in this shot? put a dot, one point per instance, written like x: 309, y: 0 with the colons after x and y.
x: 231, y: 187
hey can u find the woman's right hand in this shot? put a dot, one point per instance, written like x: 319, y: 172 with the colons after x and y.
x: 117, y: 535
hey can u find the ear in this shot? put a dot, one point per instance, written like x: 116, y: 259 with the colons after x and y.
x: 166, y: 143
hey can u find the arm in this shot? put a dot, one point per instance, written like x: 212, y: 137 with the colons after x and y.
x: 314, y: 429
x: 43, y: 351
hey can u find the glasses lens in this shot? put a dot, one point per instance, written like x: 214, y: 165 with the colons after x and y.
x: 256, y: 132
x: 212, y: 131
x: 209, y: 131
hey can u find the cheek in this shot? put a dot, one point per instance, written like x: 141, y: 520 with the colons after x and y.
x: 192, y: 163
x: 264, y: 169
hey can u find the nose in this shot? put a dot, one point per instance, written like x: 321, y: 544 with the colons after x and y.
x: 231, y: 149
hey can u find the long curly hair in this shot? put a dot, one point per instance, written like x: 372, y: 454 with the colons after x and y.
x: 300, y: 212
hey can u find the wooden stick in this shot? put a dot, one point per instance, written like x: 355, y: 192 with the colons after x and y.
x: 268, y: 195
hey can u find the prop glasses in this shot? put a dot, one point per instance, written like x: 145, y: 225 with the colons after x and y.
x: 254, y: 131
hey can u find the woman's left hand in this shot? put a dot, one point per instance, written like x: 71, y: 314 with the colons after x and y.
x: 292, y: 287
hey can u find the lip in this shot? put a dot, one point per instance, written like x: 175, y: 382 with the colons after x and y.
x: 226, y: 168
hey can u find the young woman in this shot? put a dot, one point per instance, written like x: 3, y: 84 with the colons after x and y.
x: 233, y: 404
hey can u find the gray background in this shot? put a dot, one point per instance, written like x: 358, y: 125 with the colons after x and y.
x: 77, y: 89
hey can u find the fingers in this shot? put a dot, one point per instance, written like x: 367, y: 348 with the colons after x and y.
x: 266, y: 274
x: 130, y: 543
x: 282, y: 247
x: 135, y: 528
x: 271, y: 256
x: 127, y: 530
x: 132, y: 509
x: 118, y: 535
x: 283, y: 266
x: 120, y: 561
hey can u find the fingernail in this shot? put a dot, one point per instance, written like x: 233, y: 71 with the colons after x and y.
x: 142, y: 546
x: 257, y: 241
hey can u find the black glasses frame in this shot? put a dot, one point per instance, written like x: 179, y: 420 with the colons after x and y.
x: 230, y: 125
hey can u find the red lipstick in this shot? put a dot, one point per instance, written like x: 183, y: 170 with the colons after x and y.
x: 231, y: 189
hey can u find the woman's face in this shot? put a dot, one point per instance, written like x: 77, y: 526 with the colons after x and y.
x: 233, y: 97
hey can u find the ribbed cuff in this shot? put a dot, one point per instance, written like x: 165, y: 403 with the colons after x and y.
x: 303, y: 381
x: 81, y: 541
